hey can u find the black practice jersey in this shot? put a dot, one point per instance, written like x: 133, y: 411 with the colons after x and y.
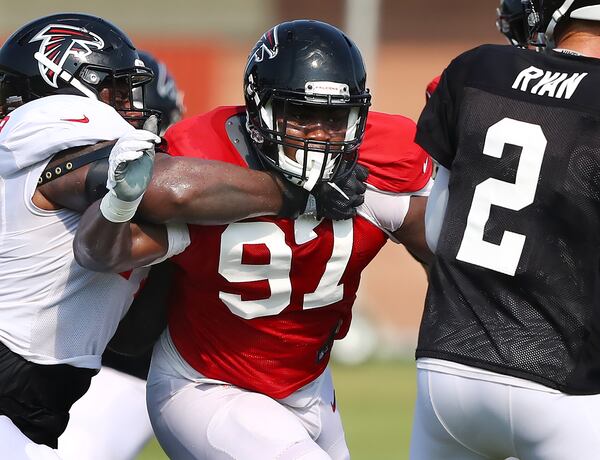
x: 515, y: 287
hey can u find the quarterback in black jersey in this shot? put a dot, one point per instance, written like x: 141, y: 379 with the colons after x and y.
x: 509, y: 347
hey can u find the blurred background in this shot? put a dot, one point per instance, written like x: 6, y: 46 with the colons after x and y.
x: 405, y: 43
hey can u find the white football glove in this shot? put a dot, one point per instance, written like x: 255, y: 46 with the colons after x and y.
x: 130, y: 167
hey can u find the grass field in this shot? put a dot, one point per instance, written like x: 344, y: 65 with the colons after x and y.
x: 376, y: 401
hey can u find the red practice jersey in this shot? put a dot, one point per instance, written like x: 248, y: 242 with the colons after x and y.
x: 258, y: 303
x: 431, y: 87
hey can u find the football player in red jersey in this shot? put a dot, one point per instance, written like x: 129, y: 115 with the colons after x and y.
x: 242, y: 370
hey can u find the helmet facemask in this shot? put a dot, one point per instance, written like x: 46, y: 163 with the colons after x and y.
x: 307, y: 135
x: 122, y: 89
x: 11, y: 94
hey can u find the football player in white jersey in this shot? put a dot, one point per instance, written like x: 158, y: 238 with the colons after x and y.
x: 68, y: 83
x: 111, y: 419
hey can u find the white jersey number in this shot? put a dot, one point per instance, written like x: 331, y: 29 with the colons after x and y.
x: 277, y: 271
x: 503, y: 257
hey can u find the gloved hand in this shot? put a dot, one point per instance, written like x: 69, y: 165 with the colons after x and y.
x: 339, y: 199
x: 130, y: 166
x: 131, y: 162
x: 294, y: 197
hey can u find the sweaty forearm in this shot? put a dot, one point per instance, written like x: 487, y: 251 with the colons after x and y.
x: 208, y: 192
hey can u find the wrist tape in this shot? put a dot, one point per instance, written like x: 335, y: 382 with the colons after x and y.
x: 117, y: 210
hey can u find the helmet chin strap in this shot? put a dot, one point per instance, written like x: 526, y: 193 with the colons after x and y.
x: 314, y: 164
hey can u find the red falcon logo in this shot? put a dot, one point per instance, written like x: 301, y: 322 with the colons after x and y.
x: 60, y: 41
x: 267, y: 46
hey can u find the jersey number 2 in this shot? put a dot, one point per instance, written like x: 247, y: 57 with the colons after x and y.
x: 503, y: 257
x: 277, y: 271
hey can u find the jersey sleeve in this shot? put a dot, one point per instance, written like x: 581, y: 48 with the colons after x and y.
x: 178, y: 237
x: 435, y: 128
x: 387, y: 211
x: 431, y: 87
x: 396, y: 163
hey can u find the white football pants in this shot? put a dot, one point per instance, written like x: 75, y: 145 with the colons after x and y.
x: 461, y: 418
x: 220, y: 422
x: 14, y: 445
x: 109, y: 422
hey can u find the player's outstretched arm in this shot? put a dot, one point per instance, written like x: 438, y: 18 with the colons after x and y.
x: 206, y: 192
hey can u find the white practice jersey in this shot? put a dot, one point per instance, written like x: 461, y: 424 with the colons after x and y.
x: 52, y: 310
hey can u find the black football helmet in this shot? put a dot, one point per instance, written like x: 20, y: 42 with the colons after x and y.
x: 546, y: 15
x: 162, y: 93
x: 73, y: 53
x: 512, y: 22
x: 306, y: 75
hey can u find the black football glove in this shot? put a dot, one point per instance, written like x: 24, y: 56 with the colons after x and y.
x: 339, y: 199
x: 294, y: 197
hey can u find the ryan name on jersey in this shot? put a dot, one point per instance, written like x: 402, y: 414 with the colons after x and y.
x: 547, y: 83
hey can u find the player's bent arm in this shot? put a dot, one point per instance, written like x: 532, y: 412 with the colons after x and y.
x: 105, y: 246
x: 412, y: 231
x: 401, y: 216
x: 106, y: 239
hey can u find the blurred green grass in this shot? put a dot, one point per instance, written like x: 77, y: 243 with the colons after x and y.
x: 376, y: 401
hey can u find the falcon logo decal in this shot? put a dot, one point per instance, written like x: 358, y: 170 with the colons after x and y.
x: 267, y: 46
x: 58, y: 42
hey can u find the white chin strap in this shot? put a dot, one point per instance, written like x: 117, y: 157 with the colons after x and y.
x: 314, y: 164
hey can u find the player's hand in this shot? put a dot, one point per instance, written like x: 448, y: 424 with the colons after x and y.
x: 339, y: 199
x: 131, y: 162
x: 294, y: 197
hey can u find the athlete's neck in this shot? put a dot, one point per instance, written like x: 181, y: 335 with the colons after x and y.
x: 585, y: 43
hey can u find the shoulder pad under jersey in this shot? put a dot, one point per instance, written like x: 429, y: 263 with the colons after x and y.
x: 38, y: 130
x: 396, y: 163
